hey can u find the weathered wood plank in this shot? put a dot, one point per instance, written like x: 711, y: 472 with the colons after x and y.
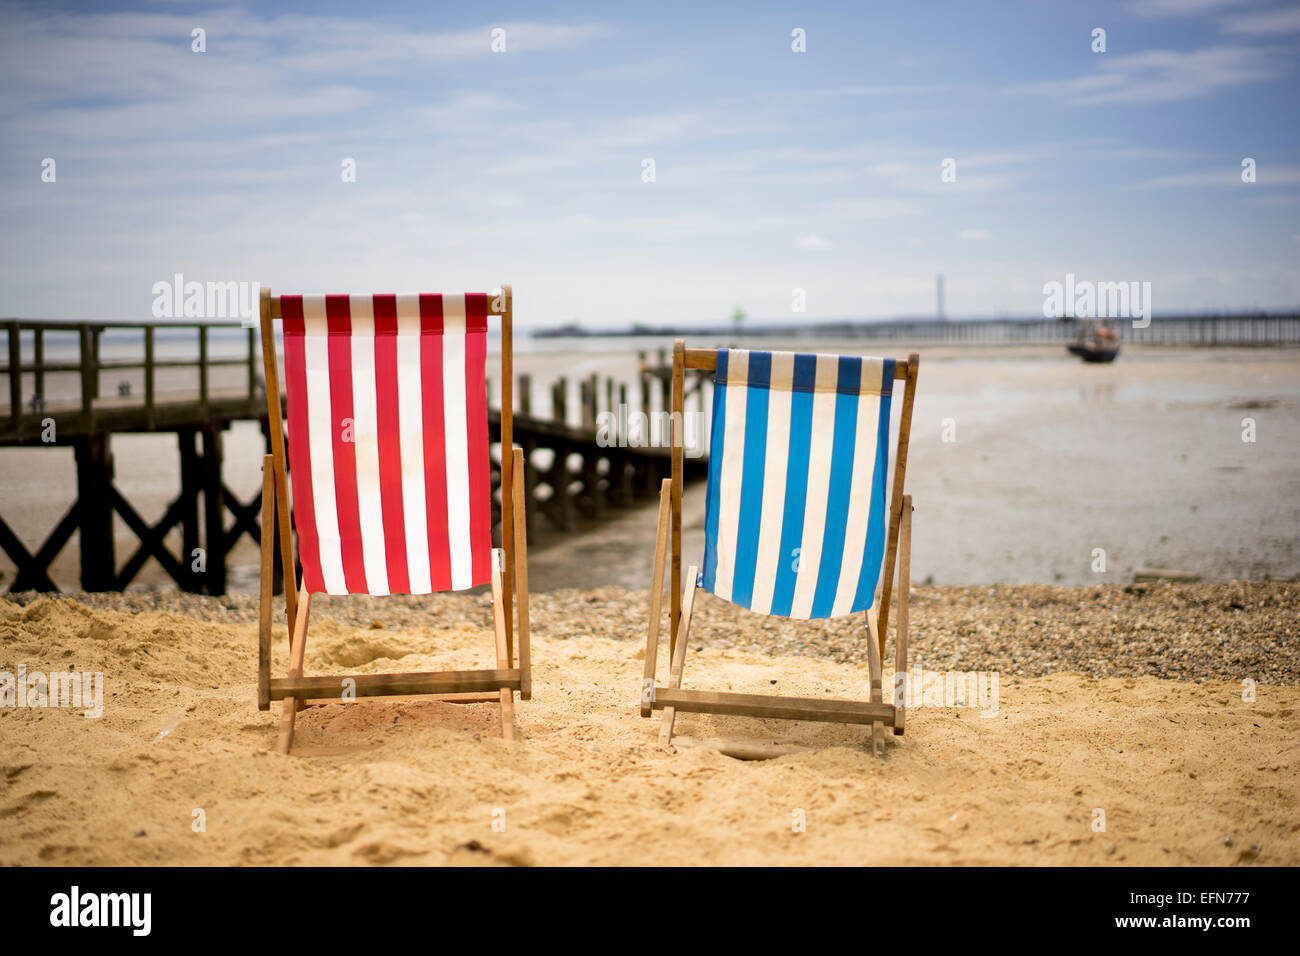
x: 297, y: 651
x: 780, y: 708
x: 656, y: 599
x: 896, y: 497
x: 677, y: 406
x: 521, y: 578
x: 266, y: 582
x: 411, y: 699
x: 679, y: 658
x: 385, y: 685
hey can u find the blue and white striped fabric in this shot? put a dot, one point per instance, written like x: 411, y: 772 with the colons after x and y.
x: 795, y: 519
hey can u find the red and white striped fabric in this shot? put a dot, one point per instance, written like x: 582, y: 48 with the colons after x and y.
x: 388, y: 441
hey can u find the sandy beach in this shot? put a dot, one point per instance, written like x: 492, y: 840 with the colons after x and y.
x: 1089, y: 719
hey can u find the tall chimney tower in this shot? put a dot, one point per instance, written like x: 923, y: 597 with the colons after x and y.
x: 938, y: 296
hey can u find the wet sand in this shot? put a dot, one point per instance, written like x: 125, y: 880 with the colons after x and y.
x: 1050, y: 460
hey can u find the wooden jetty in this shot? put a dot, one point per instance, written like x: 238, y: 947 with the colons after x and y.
x: 573, y: 472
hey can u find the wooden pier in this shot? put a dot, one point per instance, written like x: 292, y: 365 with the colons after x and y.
x: 573, y: 473
x: 1184, y: 331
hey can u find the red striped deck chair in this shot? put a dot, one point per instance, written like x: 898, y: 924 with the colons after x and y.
x: 391, y: 491
x: 796, y: 523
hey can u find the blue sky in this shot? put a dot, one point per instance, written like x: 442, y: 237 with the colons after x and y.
x: 774, y: 170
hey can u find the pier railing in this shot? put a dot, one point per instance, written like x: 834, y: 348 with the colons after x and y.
x: 83, y: 409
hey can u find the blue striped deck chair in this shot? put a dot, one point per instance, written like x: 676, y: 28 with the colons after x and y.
x: 796, y: 521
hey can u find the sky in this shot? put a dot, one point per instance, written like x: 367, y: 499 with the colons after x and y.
x: 774, y: 171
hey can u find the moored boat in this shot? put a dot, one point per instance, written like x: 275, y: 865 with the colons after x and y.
x: 1096, y: 342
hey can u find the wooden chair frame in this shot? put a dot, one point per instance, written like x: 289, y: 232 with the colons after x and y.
x: 509, y: 573
x: 898, y: 549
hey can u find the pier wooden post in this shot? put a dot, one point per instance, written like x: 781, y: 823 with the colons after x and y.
x: 252, y: 363
x: 277, y: 563
x: 587, y: 400
x: 591, y: 481
x: 665, y: 399
x: 38, y: 354
x: 94, y: 352
x: 191, y: 484
x: 214, y: 510
x: 560, y: 400
x: 562, y: 498
x: 89, y: 378
x: 95, y: 510
x: 525, y: 394
x: 626, y: 488
x: 148, y: 376
x: 203, y: 368
x: 15, y: 379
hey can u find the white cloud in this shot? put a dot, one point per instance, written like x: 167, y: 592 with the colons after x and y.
x: 812, y: 242
x: 464, y: 109
x: 974, y: 235
x: 1266, y: 23
x: 1274, y: 200
x: 254, y: 66
x: 1227, y: 175
x: 1180, y: 8
x: 1162, y: 76
x: 876, y: 207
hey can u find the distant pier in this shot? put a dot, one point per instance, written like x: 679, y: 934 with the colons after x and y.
x: 1264, y: 330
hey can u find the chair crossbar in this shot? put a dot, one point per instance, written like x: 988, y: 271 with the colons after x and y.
x: 780, y: 708
x: 387, y: 685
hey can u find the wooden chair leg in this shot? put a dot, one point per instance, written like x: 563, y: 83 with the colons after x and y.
x: 677, y: 419
x: 656, y: 600
x: 507, y: 696
x: 877, y: 693
x: 297, y: 651
x: 900, y: 637
x: 267, y: 585
x: 521, y: 579
x: 679, y: 657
